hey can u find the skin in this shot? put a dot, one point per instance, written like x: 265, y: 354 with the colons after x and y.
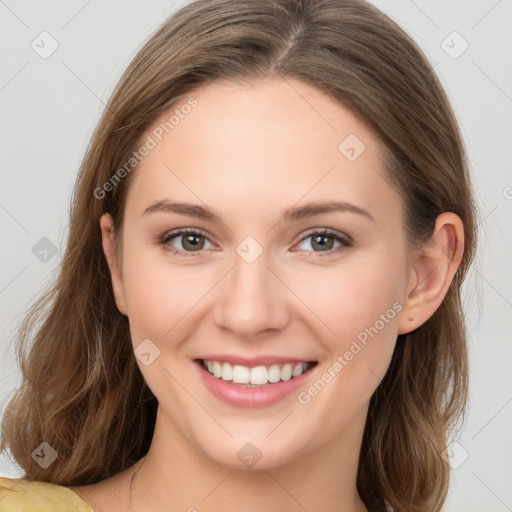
x: 249, y: 152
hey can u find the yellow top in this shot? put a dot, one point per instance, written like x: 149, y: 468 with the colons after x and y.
x: 20, y: 495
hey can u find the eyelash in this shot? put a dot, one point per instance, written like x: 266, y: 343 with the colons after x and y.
x: 344, y: 241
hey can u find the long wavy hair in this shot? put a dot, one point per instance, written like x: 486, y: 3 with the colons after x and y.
x: 82, y: 391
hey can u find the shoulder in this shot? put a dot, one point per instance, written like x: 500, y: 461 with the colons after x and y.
x: 20, y: 495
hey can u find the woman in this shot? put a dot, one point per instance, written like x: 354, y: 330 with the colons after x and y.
x: 259, y: 304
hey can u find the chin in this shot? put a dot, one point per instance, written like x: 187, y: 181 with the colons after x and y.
x: 249, y: 456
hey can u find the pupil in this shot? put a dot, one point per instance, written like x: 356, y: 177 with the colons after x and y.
x: 321, y: 242
x: 194, y: 245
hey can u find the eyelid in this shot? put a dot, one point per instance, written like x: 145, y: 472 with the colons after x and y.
x: 326, y: 231
x: 345, y: 242
x: 180, y: 231
x: 344, y: 239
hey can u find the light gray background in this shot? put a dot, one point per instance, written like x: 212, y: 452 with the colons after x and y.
x: 50, y: 106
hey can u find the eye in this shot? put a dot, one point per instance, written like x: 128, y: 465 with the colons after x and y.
x: 324, y: 241
x: 187, y: 240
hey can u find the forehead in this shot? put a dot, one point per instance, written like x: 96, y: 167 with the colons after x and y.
x: 269, y: 143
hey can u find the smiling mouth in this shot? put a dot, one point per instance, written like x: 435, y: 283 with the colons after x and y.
x: 257, y: 376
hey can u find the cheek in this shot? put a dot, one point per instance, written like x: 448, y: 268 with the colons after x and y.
x: 162, y: 298
x: 361, y: 311
x: 357, y: 295
x: 358, y: 304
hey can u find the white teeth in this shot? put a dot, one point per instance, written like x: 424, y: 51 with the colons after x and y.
x: 258, y: 375
x: 274, y: 373
x: 217, y: 369
x: 286, y: 372
x: 240, y: 374
x: 297, y: 370
x: 227, y: 372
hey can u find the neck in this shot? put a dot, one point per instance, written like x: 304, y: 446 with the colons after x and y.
x: 176, y: 472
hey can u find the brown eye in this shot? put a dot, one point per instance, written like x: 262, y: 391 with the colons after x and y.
x: 324, y: 241
x: 192, y: 242
x: 185, y: 241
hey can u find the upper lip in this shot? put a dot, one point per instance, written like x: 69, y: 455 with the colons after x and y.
x: 250, y: 362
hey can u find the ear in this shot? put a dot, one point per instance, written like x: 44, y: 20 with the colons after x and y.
x: 431, y: 272
x: 107, y: 238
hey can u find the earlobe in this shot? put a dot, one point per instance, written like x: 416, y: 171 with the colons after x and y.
x: 432, y: 271
x: 107, y: 238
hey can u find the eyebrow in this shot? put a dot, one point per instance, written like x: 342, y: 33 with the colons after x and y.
x: 290, y: 214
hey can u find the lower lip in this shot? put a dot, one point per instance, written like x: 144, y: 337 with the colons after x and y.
x: 251, y: 398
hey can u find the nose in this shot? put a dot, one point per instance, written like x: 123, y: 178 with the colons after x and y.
x: 252, y: 299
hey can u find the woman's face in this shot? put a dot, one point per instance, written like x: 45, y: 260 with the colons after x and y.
x: 269, y: 280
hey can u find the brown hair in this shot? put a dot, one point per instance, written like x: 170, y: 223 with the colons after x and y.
x: 82, y: 391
